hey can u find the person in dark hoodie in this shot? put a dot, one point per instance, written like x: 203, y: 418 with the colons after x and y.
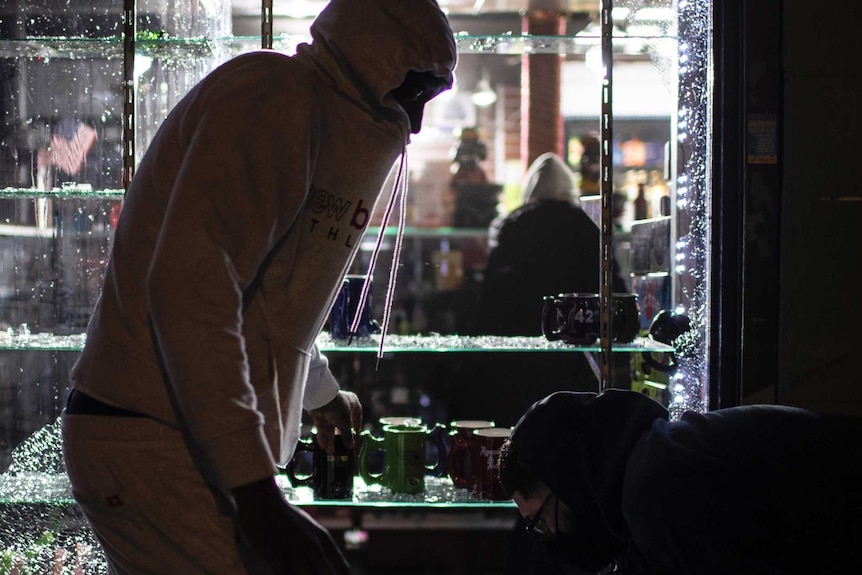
x: 610, y: 484
x: 547, y: 246
x: 240, y: 223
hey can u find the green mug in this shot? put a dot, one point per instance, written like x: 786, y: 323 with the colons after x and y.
x: 404, y: 466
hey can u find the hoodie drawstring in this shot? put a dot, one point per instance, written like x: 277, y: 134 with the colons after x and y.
x: 399, y: 192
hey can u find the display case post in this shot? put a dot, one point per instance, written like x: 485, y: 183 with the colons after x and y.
x: 129, y: 32
x: 607, y: 189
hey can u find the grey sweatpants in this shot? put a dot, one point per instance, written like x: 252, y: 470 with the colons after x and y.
x: 149, y: 507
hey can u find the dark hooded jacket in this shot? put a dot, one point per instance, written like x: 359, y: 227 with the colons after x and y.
x: 747, y: 490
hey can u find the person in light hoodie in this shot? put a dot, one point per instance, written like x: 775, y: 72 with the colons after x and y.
x: 239, y: 225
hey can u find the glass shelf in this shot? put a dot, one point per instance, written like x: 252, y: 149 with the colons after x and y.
x: 54, y: 489
x: 420, y: 232
x: 76, y: 191
x: 439, y: 492
x: 178, y: 49
x: 394, y: 343
x: 518, y: 44
x: 104, y: 48
x: 437, y: 343
x: 500, y: 44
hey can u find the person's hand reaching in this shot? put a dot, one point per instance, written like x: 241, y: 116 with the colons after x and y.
x: 343, y: 413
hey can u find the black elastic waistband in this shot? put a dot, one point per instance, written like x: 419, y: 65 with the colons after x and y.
x: 81, y: 404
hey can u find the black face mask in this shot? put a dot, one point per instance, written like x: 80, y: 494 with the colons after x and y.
x: 417, y: 90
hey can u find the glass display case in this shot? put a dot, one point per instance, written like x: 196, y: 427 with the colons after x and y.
x: 85, y: 89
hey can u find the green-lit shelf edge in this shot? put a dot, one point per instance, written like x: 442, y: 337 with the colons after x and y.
x: 190, y: 48
x: 420, y: 232
x: 76, y: 192
x: 393, y: 344
x: 108, y: 48
x: 54, y: 489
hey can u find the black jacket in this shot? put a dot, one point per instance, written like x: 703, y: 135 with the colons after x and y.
x: 543, y: 248
x: 748, y: 490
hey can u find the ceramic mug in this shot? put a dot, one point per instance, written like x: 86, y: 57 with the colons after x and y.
x: 462, y: 448
x: 575, y: 318
x: 437, y: 449
x: 404, y: 450
x: 344, y: 310
x: 487, y: 462
x: 375, y: 458
x: 330, y: 475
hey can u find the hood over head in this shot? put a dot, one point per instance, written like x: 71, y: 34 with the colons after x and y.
x: 549, y: 178
x: 578, y: 445
x: 369, y: 46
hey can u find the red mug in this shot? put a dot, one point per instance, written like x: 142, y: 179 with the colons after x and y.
x: 487, y: 462
x: 461, y: 458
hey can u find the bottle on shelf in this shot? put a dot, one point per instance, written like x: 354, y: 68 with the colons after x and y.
x: 590, y: 165
x: 641, y: 205
x: 659, y: 194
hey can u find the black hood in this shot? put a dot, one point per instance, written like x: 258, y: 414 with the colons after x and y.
x: 579, y: 443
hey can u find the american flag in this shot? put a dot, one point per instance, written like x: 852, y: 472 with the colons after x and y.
x: 69, y: 151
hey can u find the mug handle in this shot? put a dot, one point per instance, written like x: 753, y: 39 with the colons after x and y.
x: 438, y: 437
x: 666, y: 332
x: 302, y: 446
x: 548, y: 309
x: 658, y: 366
x: 369, y: 444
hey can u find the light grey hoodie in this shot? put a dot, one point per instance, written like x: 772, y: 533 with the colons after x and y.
x: 241, y: 221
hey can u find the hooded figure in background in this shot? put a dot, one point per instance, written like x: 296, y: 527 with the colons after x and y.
x: 607, y: 479
x: 547, y: 246
x: 240, y: 223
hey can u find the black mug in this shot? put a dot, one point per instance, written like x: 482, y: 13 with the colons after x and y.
x: 666, y: 326
x: 576, y: 317
x: 330, y: 476
x: 344, y: 310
